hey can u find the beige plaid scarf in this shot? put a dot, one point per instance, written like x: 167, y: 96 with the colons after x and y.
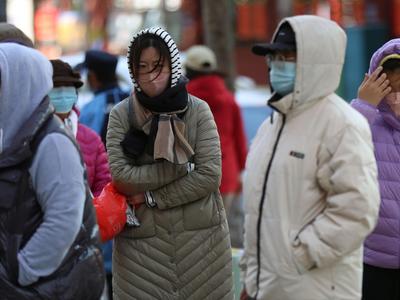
x: 170, y: 143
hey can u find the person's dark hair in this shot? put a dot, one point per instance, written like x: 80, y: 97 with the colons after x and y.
x: 104, y: 77
x: 391, y: 65
x: 146, y: 41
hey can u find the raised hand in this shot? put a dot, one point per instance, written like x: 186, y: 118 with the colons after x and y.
x: 374, y: 87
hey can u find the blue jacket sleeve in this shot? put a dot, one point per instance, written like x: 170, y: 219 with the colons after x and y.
x: 93, y: 113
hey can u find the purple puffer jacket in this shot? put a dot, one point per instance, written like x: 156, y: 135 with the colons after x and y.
x: 95, y: 158
x: 382, y: 246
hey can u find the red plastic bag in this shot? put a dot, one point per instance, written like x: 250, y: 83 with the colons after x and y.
x: 110, y: 211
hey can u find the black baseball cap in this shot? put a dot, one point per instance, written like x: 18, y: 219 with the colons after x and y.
x: 284, y: 40
x: 99, y: 62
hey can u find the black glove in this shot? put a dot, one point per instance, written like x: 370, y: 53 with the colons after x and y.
x: 134, y: 143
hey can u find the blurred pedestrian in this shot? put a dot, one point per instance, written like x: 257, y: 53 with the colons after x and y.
x: 102, y: 79
x: 164, y: 150
x: 311, y: 192
x: 48, y: 231
x: 379, y: 101
x: 207, y: 84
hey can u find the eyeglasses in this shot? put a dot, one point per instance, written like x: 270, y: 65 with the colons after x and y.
x: 280, y: 58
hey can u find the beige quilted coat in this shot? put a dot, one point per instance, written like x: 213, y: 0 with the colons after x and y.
x: 182, y: 249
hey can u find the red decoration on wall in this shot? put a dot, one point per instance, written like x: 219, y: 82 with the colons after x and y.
x: 359, y: 12
x: 252, y: 21
x: 336, y: 11
x: 395, y: 13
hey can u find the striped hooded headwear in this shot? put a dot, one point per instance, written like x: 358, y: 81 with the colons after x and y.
x: 160, y: 116
x: 176, y: 67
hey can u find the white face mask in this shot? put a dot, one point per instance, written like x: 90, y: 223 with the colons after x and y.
x: 393, y: 100
x: 153, y: 84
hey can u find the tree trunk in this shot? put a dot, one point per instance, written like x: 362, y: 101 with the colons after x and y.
x: 219, y: 31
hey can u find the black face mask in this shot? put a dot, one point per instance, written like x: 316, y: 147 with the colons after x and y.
x: 172, y: 99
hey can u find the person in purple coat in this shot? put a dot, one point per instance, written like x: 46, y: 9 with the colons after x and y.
x: 379, y: 101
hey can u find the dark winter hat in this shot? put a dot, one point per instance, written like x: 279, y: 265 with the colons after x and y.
x: 63, y: 75
x: 11, y: 34
x: 200, y: 58
x: 285, y: 39
x: 99, y: 62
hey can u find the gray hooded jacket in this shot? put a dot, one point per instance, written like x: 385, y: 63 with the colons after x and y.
x: 56, y: 171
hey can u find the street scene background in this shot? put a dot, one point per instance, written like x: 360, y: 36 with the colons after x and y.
x: 67, y: 28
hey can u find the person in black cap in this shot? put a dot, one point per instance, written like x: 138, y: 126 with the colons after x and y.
x: 281, y: 58
x: 310, y: 190
x: 102, y: 79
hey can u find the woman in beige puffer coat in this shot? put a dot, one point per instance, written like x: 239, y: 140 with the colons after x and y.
x: 164, y: 150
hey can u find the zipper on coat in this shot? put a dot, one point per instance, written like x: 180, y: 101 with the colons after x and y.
x: 260, y: 209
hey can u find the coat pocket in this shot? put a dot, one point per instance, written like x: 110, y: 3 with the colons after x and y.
x: 147, y: 226
x: 203, y: 213
x: 300, y: 256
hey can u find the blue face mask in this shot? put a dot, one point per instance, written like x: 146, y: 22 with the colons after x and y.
x: 63, y: 98
x: 282, y: 76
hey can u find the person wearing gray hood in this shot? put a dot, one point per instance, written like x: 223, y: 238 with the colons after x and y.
x: 48, y: 233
